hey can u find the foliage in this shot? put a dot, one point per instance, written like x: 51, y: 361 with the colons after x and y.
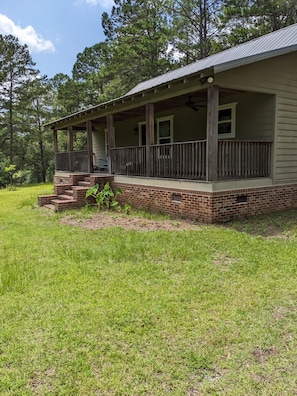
x: 241, y: 21
x: 25, y: 104
x: 196, y: 24
x: 16, y: 68
x: 138, y: 39
x: 35, y: 102
x: 11, y: 170
x: 106, y: 198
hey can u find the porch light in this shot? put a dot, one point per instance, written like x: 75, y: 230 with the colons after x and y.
x: 204, y: 79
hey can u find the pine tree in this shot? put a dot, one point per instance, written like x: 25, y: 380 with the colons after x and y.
x: 16, y: 68
x: 195, y: 28
x: 138, y: 34
x: 244, y: 20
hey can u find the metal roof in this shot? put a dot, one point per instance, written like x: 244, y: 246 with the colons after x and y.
x: 273, y: 44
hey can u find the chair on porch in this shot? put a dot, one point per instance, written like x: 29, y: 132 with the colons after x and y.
x: 103, y: 165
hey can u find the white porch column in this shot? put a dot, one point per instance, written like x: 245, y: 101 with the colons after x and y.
x: 212, y: 133
x: 150, y: 134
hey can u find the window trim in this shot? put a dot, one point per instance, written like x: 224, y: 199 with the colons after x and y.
x: 158, y: 121
x: 161, y: 119
x: 231, y: 106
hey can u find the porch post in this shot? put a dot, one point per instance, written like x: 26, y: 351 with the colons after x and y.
x: 212, y: 133
x: 70, y: 147
x: 150, y: 135
x: 110, y: 138
x: 90, y: 146
x: 56, y: 147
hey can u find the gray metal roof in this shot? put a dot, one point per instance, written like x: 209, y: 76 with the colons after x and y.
x: 273, y: 44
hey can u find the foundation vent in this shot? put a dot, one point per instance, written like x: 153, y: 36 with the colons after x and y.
x: 176, y: 197
x: 241, y: 199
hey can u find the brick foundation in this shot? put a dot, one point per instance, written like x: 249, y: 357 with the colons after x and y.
x: 209, y: 207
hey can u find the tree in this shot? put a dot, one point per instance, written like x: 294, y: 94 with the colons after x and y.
x: 138, y: 34
x: 194, y: 24
x: 16, y: 68
x: 92, y: 70
x: 68, y: 95
x: 244, y: 20
x: 36, y: 103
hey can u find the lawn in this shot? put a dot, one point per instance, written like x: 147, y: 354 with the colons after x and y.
x: 210, y: 311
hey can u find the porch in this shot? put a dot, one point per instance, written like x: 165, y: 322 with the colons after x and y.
x: 236, y: 159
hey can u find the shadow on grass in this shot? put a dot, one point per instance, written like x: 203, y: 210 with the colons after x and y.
x: 281, y: 225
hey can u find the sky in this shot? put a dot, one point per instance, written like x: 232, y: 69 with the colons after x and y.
x: 54, y: 30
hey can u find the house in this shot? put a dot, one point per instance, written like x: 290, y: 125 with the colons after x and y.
x: 211, y: 141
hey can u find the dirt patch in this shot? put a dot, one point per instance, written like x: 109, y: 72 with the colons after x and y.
x: 129, y: 222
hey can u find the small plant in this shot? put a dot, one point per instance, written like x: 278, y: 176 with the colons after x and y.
x: 106, y: 198
x: 126, y: 209
x: 11, y: 170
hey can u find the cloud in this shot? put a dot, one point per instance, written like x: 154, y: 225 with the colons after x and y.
x: 26, y: 35
x: 103, y: 3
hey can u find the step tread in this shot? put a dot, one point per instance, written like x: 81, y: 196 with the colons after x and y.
x: 65, y: 197
x: 49, y: 206
x: 63, y: 201
x: 84, y: 184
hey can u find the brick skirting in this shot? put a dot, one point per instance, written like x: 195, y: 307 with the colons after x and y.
x: 209, y: 207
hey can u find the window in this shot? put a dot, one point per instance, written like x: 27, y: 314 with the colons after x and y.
x: 227, y: 120
x: 165, y: 135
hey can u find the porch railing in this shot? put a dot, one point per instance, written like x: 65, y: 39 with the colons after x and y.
x: 179, y: 160
x: 74, y: 161
x: 187, y: 160
x: 243, y: 159
x: 129, y: 161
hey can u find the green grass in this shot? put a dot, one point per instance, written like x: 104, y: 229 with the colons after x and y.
x: 115, y: 312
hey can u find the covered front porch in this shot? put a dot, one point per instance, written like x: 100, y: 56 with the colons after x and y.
x: 147, y: 153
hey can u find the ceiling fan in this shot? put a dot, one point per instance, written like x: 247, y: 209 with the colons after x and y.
x: 194, y: 106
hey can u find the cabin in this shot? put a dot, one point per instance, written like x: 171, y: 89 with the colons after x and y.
x: 211, y: 141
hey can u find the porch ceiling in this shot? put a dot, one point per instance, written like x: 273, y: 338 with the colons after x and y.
x: 199, y: 97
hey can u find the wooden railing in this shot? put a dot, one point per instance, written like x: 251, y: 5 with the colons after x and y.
x: 129, y: 161
x: 243, y: 159
x: 187, y: 160
x: 179, y: 160
x: 74, y: 161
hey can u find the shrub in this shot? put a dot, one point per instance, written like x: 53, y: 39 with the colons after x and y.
x: 105, y: 198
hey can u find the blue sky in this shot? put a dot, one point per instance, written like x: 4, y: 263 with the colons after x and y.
x: 54, y: 30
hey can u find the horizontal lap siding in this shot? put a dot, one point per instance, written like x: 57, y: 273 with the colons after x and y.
x: 276, y: 76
